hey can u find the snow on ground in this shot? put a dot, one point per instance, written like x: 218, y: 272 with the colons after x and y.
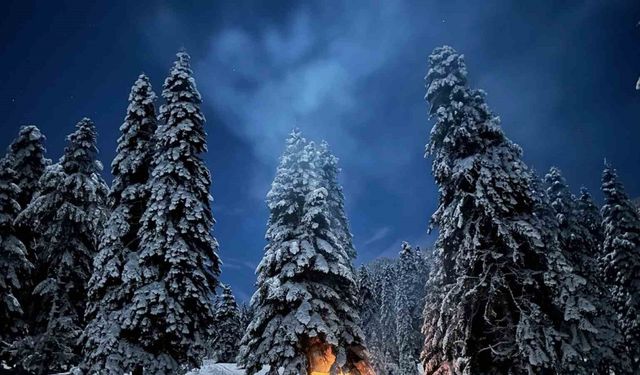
x: 211, y: 368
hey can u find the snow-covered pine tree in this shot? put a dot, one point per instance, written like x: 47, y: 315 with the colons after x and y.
x: 107, y: 348
x: 177, y: 265
x: 407, y: 296
x: 229, y: 329
x: 335, y: 197
x: 500, y: 289
x: 367, y: 300
x: 67, y: 213
x: 590, y: 218
x: 27, y: 152
x: 387, y: 330
x: 28, y: 161
x: 621, y: 258
x: 369, y: 312
x: 306, y: 284
x: 13, y: 260
x: 603, y: 351
x: 246, y: 315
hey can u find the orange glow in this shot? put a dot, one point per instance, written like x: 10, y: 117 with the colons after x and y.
x: 321, y: 358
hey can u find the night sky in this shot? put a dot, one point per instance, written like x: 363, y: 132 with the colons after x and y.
x: 561, y: 75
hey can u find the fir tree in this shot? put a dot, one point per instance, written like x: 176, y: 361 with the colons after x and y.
x: 67, y: 212
x: 28, y: 161
x: 500, y: 290
x: 228, y: 328
x: 369, y: 312
x: 335, y: 197
x: 107, y: 348
x: 388, y: 330
x: 246, y: 315
x: 13, y: 260
x: 621, y: 260
x: 177, y: 266
x: 408, y: 338
x: 367, y: 300
x: 590, y: 218
x: 306, y: 284
x: 581, y: 249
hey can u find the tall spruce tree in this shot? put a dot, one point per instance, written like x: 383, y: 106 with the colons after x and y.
x: 229, y: 328
x: 388, y: 329
x: 108, y: 349
x: 176, y: 267
x: 621, y: 258
x: 501, y: 293
x: 13, y: 259
x: 335, y: 197
x: 67, y: 212
x: 603, y: 351
x: 367, y: 300
x: 28, y: 161
x: 306, y: 284
x: 590, y: 218
x: 369, y: 312
x: 408, y: 336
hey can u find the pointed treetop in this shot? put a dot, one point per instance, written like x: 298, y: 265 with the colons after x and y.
x: 180, y: 86
x: 558, y: 190
x: 226, y: 289
x: 29, y: 132
x: 184, y: 60
x: 329, y: 160
x: 406, y: 249
x: 142, y: 86
x: 611, y: 186
x: 585, y: 195
x: 81, y: 151
x: 29, y: 162
x: 294, y: 136
x: 447, y: 71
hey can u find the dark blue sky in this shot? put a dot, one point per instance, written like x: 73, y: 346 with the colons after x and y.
x: 561, y: 75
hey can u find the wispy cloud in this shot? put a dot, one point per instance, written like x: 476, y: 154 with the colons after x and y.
x: 378, y: 235
x: 307, y: 73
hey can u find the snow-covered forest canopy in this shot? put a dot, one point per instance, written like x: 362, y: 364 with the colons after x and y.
x: 528, y: 275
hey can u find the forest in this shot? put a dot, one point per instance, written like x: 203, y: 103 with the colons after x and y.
x: 527, y: 275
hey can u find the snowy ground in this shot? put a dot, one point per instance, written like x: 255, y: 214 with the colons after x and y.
x: 210, y: 368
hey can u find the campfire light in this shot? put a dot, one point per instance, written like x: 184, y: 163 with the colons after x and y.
x: 321, y: 358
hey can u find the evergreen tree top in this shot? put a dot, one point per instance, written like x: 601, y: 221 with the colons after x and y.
x: 620, y: 217
x: 448, y: 71
x: 406, y: 249
x: 589, y: 214
x: 560, y: 195
x: 612, y: 187
x: 226, y: 290
x: 464, y: 123
x: 29, y: 163
x: 30, y: 140
x: 181, y: 113
x: 80, y: 155
x: 329, y: 161
x: 135, y: 145
x: 586, y: 197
